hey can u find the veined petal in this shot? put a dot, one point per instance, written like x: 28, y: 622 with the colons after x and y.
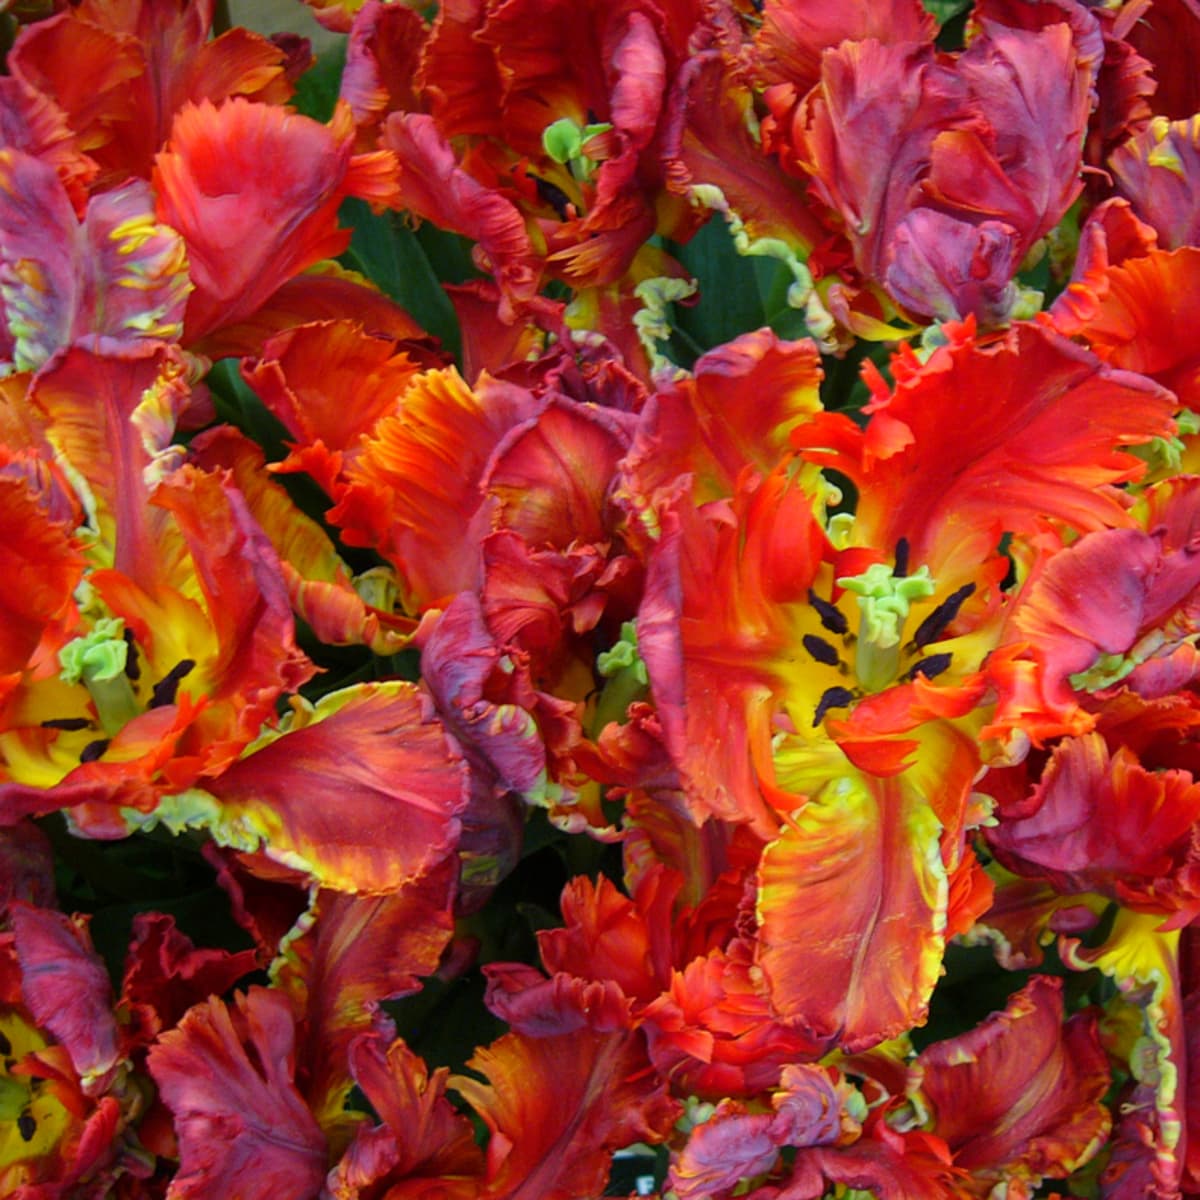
x: 717, y: 627
x: 227, y: 1075
x: 852, y: 911
x: 362, y: 791
x: 346, y: 955
x: 111, y: 418
x: 1135, y: 323
x: 735, y: 410
x: 1101, y: 822
x: 557, y: 1107
x: 414, y: 492
x: 38, y: 283
x: 1021, y: 1095
x: 41, y: 564
x: 1042, y: 439
x: 794, y: 35
x: 65, y: 986
x: 254, y: 190
x: 144, y: 63
x: 330, y: 381
x: 423, y: 1146
x: 383, y: 54
x: 549, y: 477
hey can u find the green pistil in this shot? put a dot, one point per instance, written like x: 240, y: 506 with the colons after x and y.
x: 884, y: 600
x: 97, y: 660
x: 627, y: 677
x: 1166, y: 454
x: 563, y: 140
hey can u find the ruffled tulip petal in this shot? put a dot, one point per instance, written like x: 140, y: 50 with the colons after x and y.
x: 1102, y: 822
x: 1042, y: 439
x: 346, y: 956
x: 1035, y: 88
x: 550, y: 475
x: 319, y: 584
x: 166, y: 974
x: 413, y: 493
x: 324, y: 292
x: 557, y: 1107
x: 852, y: 911
x: 65, y: 986
x: 42, y: 564
x: 424, y: 1147
x: 33, y: 124
x: 330, y: 381
x: 1020, y: 1096
x: 362, y: 791
x: 794, y: 35
x: 227, y: 1075
x: 1135, y: 322
x: 874, y: 95
x: 254, y: 191
x: 734, y: 410
x: 716, y: 628
x: 144, y: 64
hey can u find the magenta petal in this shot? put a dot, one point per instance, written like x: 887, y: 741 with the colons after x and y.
x: 227, y: 1075
x: 66, y: 988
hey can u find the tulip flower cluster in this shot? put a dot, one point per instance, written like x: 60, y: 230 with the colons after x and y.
x: 605, y: 601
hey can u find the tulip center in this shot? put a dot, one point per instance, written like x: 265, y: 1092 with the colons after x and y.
x: 884, y: 600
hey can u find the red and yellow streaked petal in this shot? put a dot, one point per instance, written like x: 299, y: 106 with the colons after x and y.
x: 414, y: 492
x: 362, y: 791
x: 1041, y: 440
x: 717, y: 630
x: 734, y: 411
x: 349, y: 953
x: 111, y: 417
x: 330, y: 381
x: 318, y: 582
x: 852, y: 911
x: 557, y: 1107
